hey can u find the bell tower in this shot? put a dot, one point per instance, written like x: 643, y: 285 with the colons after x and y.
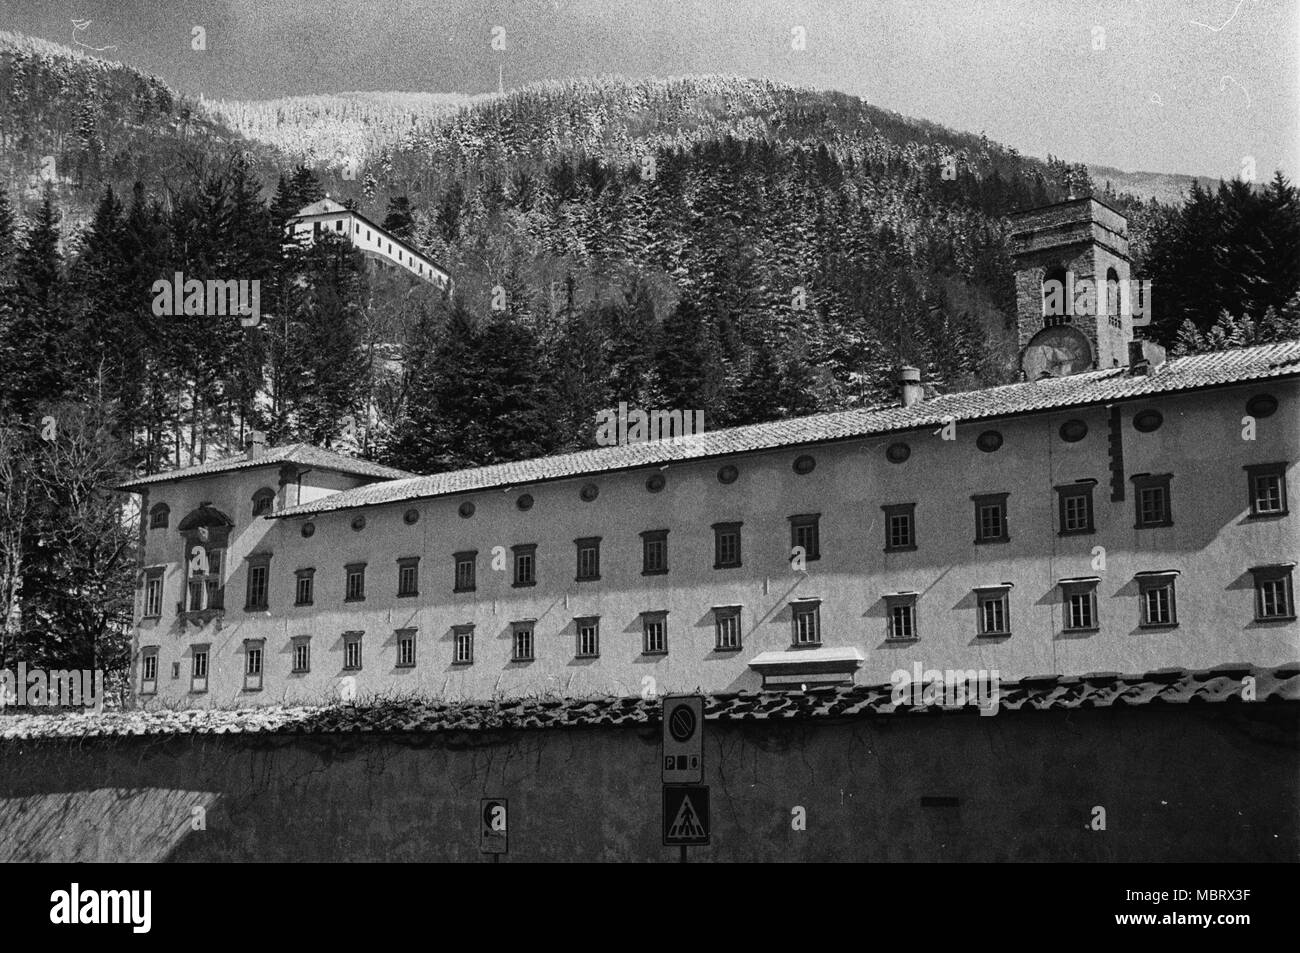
x: 1073, y: 311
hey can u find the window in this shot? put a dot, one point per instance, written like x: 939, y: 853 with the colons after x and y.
x: 301, y: 653
x: 993, y: 609
x: 338, y: 225
x: 726, y: 545
x: 588, y: 558
x: 588, y: 637
x: 1274, y: 597
x: 408, y: 570
x: 463, y: 645
x: 304, y: 581
x: 901, y: 611
x: 464, y: 580
x: 259, y: 575
x: 654, y: 552
x: 148, y: 669
x: 1080, y: 604
x: 1156, y: 597
x: 1152, y: 501
x: 1074, y: 501
x: 805, y: 617
x: 153, y: 593
x: 900, y: 527
x: 654, y: 631
x: 521, y: 641
x: 1267, y: 489
x: 352, y: 651
x: 205, y: 532
x: 263, y: 501
x: 804, y: 534
x: 199, y: 669
x: 1111, y: 303
x: 356, y: 582
x: 253, y: 649
x: 406, y: 648
x: 158, y: 516
x: 726, y: 621
x: 991, y: 517
x: 525, y: 564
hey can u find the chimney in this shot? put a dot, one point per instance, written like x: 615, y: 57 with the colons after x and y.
x: 256, y: 444
x: 909, y: 380
x: 1144, y: 357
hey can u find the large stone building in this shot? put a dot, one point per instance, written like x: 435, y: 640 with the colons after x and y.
x: 377, y: 245
x: 1129, y: 517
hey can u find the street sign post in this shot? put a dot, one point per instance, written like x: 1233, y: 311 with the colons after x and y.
x: 493, y: 828
x: 683, y: 739
x: 686, y: 815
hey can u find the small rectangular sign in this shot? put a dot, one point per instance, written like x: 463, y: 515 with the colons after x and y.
x: 683, y: 739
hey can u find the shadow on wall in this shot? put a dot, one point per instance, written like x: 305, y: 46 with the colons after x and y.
x: 101, y: 825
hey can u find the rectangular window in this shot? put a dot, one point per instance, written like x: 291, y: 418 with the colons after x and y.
x: 148, y: 670
x: 525, y: 564
x: 199, y: 669
x: 204, y: 589
x: 900, y: 527
x: 654, y: 552
x: 901, y: 609
x: 1152, y: 500
x: 301, y: 653
x: 463, y: 639
x: 1080, y: 604
x: 726, y: 621
x: 408, y: 574
x: 1274, y: 596
x: 1156, y: 598
x: 726, y: 545
x: 1074, y: 502
x: 304, y: 581
x: 259, y: 575
x: 352, y: 651
x: 465, y: 562
x: 153, y: 593
x: 805, y: 535
x: 158, y: 516
x: 588, y: 637
x: 806, y: 620
x: 405, y: 648
x: 356, y: 583
x: 993, y: 610
x: 991, y: 518
x: 521, y: 638
x: 253, y: 649
x: 588, y: 558
x: 1267, y: 482
x: 654, y: 632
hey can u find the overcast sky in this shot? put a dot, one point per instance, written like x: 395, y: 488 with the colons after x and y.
x: 1189, y: 86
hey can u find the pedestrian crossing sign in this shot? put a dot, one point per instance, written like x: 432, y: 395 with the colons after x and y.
x: 686, y: 815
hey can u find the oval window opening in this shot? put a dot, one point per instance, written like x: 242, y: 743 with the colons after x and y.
x: 308, y: 529
x: 525, y: 502
x: 804, y: 464
x: 358, y: 522
x: 898, y: 452
x: 1072, y: 431
x: 1261, y: 405
x: 1148, y: 421
x: 589, y: 492
x: 655, y: 483
x: 466, y: 510
x: 728, y: 474
x: 989, y: 441
x: 411, y: 516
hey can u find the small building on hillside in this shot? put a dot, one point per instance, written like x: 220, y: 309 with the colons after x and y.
x: 368, y: 238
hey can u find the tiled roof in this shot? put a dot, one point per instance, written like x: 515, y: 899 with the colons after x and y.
x: 1223, y: 684
x: 303, y: 454
x: 1096, y: 387
x: 320, y: 208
